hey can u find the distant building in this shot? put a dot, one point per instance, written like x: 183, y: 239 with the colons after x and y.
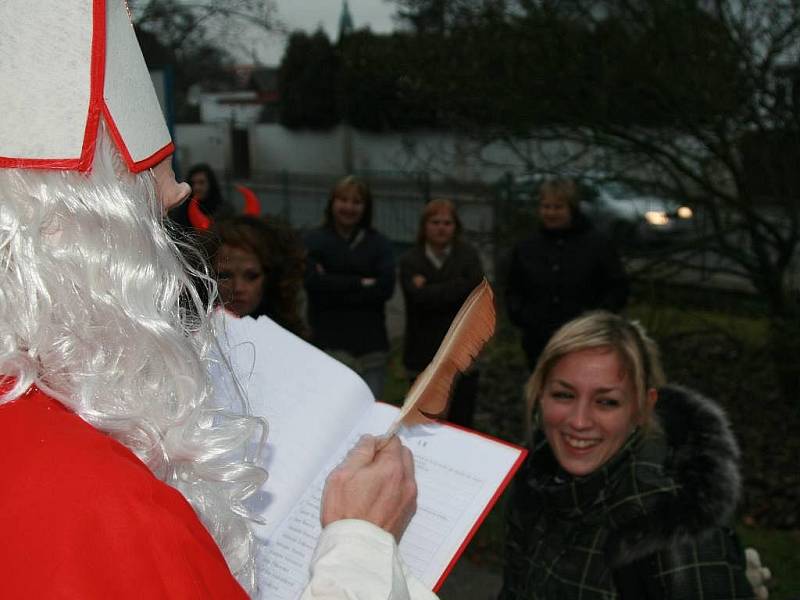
x: 255, y: 100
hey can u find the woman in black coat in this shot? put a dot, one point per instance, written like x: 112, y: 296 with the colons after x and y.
x: 349, y: 278
x: 564, y: 269
x: 437, y: 275
x: 630, y: 487
x: 207, y: 191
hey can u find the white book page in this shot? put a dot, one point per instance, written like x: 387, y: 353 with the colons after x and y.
x: 310, y: 401
x: 284, y: 560
x: 457, y: 473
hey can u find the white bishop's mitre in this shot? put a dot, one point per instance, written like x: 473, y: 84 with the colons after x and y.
x: 64, y: 65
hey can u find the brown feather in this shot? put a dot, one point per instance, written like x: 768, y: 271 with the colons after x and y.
x: 471, y: 328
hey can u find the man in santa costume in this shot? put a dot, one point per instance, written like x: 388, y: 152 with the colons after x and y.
x: 117, y: 481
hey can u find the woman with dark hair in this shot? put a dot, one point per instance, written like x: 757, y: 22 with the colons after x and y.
x: 437, y: 275
x: 349, y: 278
x: 564, y: 269
x: 630, y: 486
x: 206, y: 189
x: 259, y: 266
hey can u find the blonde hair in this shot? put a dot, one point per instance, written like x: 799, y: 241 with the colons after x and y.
x: 97, y: 310
x: 601, y: 329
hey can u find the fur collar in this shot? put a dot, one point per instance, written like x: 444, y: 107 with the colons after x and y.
x: 702, y: 461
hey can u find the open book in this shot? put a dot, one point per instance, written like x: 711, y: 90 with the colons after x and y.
x: 317, y: 408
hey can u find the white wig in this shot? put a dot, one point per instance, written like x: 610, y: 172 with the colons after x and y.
x: 97, y: 309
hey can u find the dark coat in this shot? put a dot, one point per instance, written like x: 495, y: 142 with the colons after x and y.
x: 343, y: 313
x: 652, y: 523
x: 431, y: 308
x: 557, y: 275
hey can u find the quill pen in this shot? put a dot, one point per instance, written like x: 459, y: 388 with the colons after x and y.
x: 471, y: 328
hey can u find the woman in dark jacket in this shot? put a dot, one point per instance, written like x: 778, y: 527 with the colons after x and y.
x: 349, y: 277
x: 207, y: 191
x: 437, y: 275
x: 630, y: 486
x: 564, y: 269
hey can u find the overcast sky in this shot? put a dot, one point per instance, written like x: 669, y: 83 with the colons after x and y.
x: 309, y: 14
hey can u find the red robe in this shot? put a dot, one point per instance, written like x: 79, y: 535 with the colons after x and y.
x: 81, y: 517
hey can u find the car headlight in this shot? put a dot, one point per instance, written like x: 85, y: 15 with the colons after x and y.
x: 684, y: 212
x: 656, y: 217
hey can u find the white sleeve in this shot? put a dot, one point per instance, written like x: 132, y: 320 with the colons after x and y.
x: 356, y: 560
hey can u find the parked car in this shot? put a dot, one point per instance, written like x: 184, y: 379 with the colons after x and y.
x: 630, y: 217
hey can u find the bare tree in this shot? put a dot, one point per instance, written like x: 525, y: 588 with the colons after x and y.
x: 202, y: 41
x: 229, y: 24
x: 697, y: 100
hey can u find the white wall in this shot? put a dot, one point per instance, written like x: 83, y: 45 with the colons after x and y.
x: 275, y: 148
x: 444, y: 156
x: 241, y: 108
x: 208, y: 143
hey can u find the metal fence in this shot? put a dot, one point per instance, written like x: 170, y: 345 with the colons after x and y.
x: 300, y: 198
x: 492, y: 222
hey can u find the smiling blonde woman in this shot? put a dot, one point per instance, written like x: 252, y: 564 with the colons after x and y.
x: 630, y: 486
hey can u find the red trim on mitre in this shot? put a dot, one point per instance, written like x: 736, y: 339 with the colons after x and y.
x: 97, y: 82
x: 97, y: 107
x: 70, y: 164
x: 134, y: 166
